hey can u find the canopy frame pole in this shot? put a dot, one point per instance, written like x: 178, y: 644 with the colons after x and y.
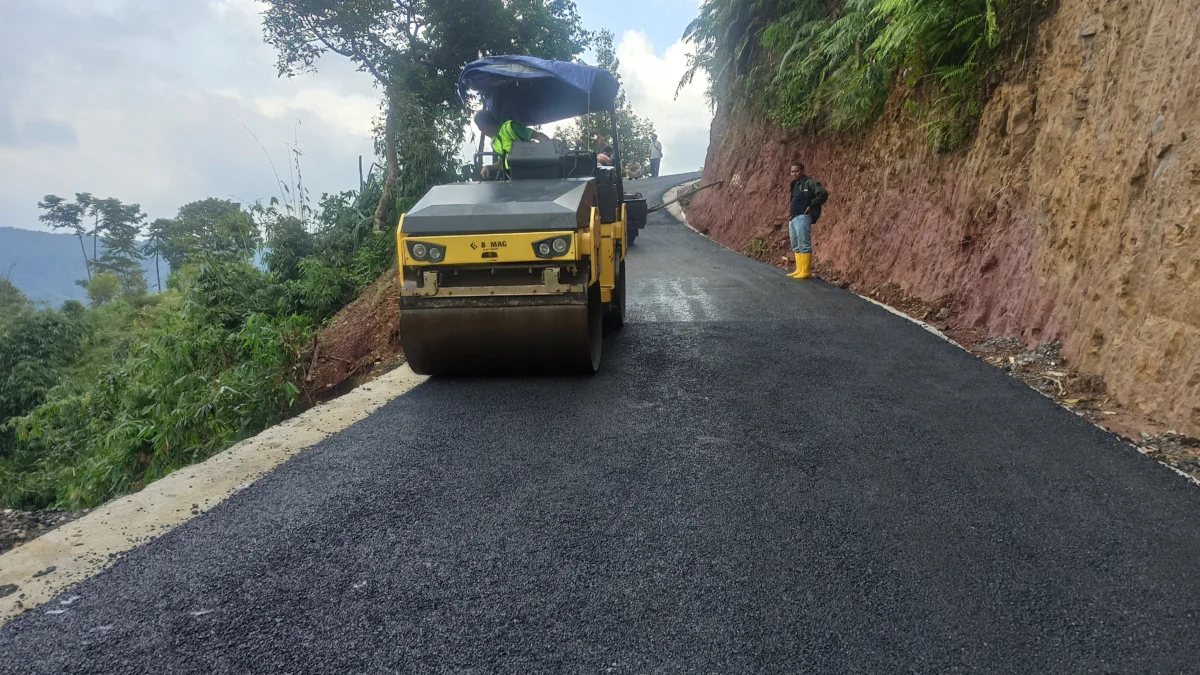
x: 617, y: 156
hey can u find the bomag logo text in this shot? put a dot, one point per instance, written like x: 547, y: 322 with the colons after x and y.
x: 489, y: 245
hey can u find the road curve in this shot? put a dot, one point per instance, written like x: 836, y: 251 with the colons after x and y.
x: 766, y: 476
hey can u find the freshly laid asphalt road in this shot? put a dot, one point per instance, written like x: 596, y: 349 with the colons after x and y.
x: 766, y: 476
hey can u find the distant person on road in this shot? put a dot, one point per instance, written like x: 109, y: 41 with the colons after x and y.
x: 655, y: 155
x: 807, y: 196
x: 634, y: 171
x: 503, y: 136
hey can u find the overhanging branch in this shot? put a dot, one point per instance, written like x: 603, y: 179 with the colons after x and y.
x: 354, y: 53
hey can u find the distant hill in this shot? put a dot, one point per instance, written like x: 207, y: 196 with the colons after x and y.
x: 45, y: 265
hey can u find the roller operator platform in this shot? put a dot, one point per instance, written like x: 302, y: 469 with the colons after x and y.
x: 520, y: 274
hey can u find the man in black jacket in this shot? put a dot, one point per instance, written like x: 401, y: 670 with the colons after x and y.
x: 807, y: 196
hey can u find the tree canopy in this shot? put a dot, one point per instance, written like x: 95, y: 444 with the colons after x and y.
x: 155, y: 245
x: 115, y: 226
x: 209, y: 229
x: 103, y: 288
x: 415, y: 49
x: 61, y: 214
x: 120, y: 224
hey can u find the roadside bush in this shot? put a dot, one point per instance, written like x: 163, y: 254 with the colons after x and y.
x: 11, y: 299
x: 103, y: 288
x: 288, y: 242
x: 186, y: 394
x: 831, y: 64
x: 321, y: 290
x: 128, y: 390
x: 73, y: 309
x: 35, y: 348
x: 758, y: 248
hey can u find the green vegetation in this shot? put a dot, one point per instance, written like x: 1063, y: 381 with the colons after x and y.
x: 103, y: 288
x: 830, y: 65
x: 758, y: 248
x: 212, y: 229
x: 97, y: 401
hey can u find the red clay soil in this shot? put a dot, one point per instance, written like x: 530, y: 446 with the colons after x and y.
x: 362, y: 340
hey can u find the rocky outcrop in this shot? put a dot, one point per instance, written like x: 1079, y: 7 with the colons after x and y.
x: 1074, y: 214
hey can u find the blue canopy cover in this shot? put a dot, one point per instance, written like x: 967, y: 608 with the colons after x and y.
x: 536, y: 91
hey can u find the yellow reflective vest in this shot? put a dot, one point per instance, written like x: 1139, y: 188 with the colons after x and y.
x: 509, y: 133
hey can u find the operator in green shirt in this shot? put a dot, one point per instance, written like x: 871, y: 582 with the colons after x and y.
x: 503, y: 136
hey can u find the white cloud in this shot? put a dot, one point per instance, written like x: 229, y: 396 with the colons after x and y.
x: 650, y: 80
x: 352, y: 114
x: 243, y: 17
x: 164, y: 103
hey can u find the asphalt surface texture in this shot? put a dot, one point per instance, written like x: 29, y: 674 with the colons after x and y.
x: 767, y: 476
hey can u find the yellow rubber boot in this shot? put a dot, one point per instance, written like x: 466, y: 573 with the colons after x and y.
x: 803, y: 266
x: 793, y: 274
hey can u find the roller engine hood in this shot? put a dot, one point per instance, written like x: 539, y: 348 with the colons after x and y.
x: 503, y: 206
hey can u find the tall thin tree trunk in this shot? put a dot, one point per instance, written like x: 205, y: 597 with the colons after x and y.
x: 87, y: 267
x: 95, y: 239
x: 393, y: 163
x: 157, y: 274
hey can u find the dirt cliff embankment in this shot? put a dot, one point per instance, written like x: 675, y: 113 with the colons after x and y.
x: 1074, y: 215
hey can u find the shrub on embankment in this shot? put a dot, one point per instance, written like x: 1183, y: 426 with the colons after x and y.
x: 829, y: 65
x: 97, y: 402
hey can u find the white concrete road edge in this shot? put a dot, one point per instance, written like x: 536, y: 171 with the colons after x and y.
x: 46, y: 566
x: 677, y: 211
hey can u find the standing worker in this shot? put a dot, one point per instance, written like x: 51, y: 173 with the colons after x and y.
x: 503, y: 137
x: 807, y: 197
x: 655, y: 155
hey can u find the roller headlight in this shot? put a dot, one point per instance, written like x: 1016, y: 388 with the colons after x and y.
x: 423, y: 252
x: 553, y: 247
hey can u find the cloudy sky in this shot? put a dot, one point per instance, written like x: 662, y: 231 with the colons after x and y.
x: 162, y: 102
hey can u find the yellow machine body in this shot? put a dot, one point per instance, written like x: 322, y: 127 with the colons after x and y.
x: 490, y: 303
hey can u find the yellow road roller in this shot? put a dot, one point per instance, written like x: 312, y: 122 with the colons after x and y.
x: 520, y: 274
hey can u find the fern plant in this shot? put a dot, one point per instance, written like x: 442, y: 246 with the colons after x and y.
x: 831, y: 65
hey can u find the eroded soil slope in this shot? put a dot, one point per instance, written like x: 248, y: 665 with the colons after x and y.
x: 363, y: 339
x: 1073, y: 216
